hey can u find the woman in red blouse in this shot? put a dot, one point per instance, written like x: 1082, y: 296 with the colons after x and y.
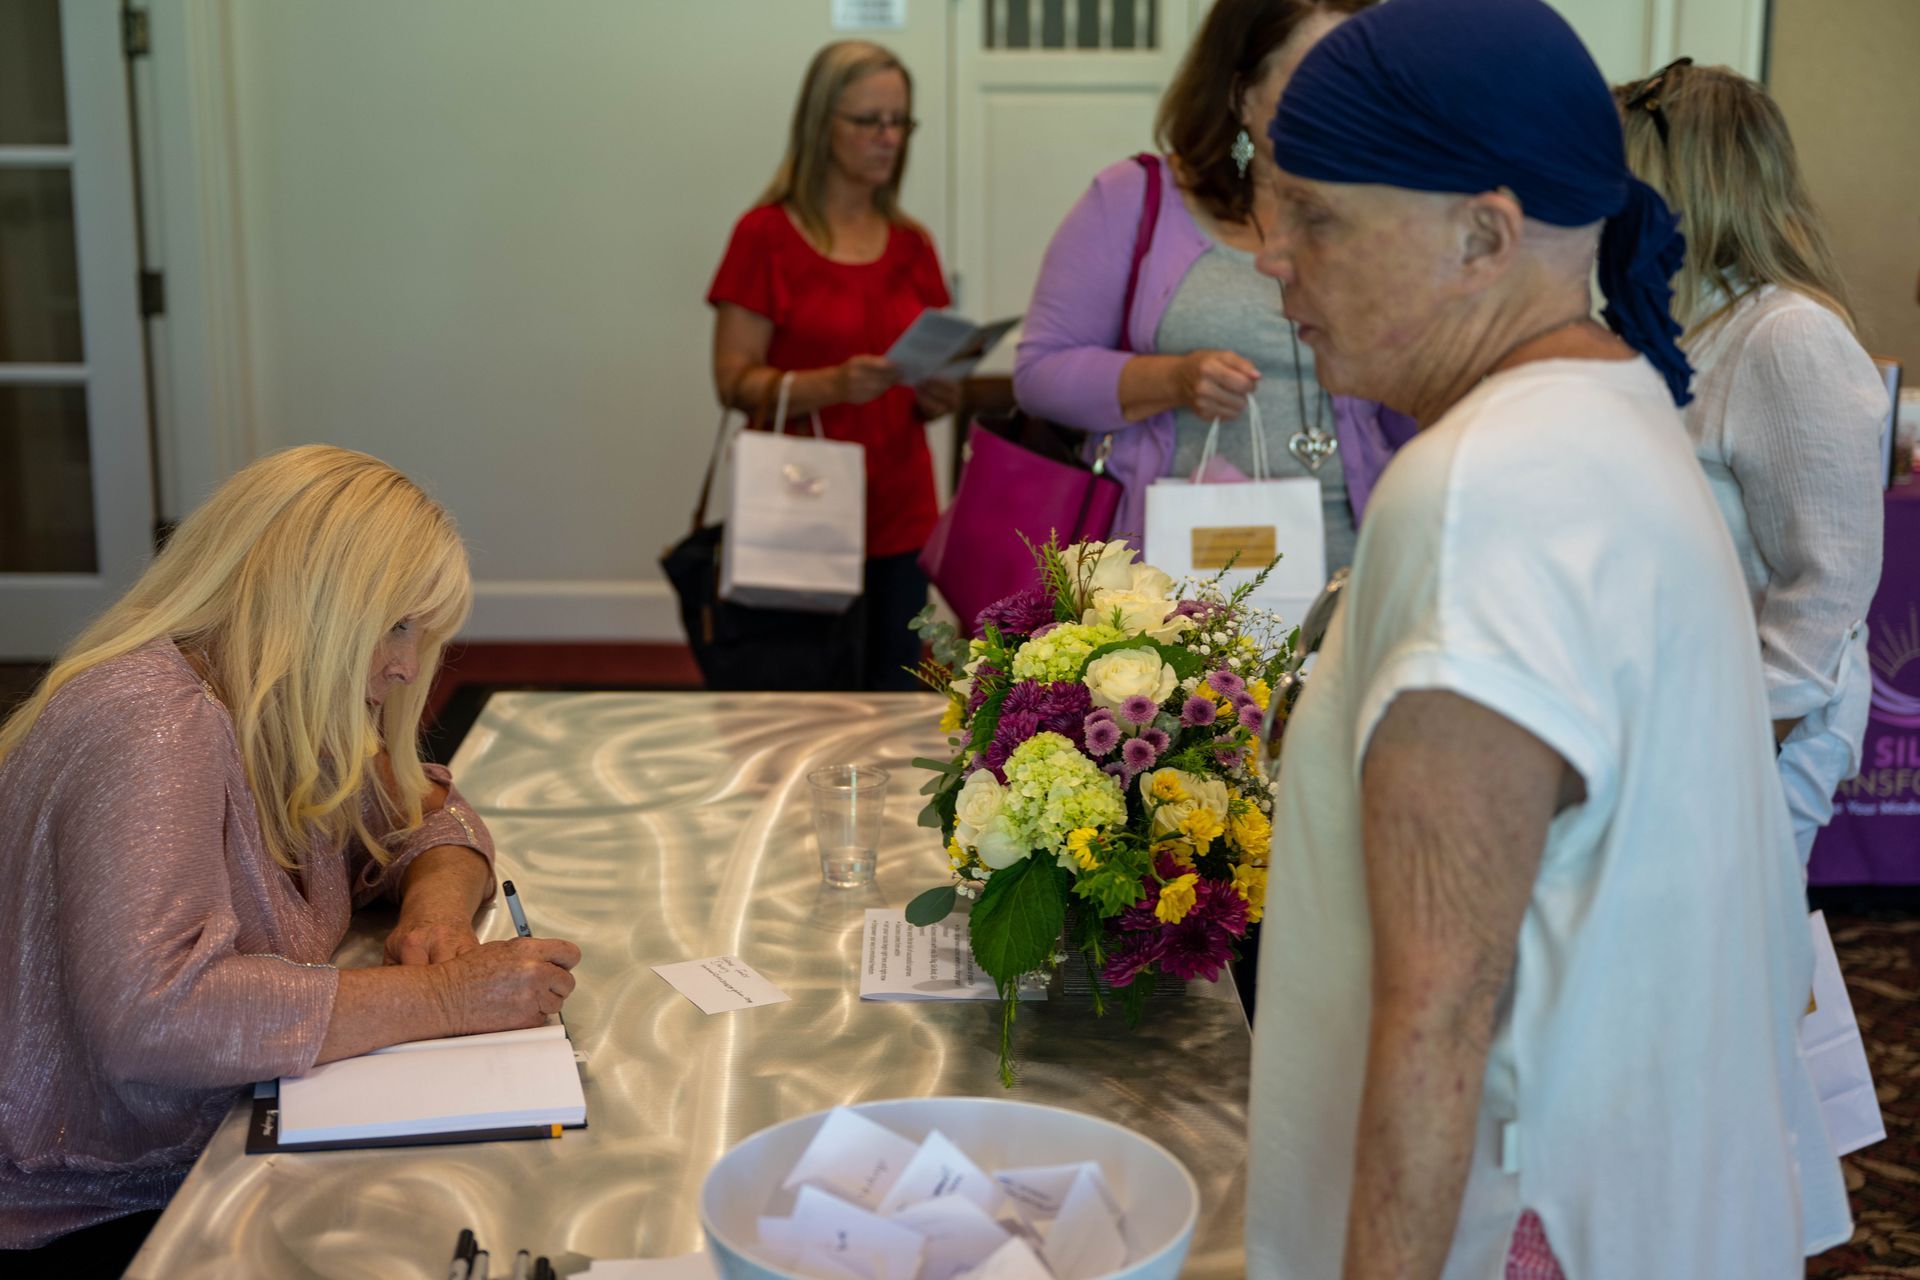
x: 819, y: 278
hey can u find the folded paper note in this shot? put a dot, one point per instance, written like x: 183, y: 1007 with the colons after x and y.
x: 900, y: 961
x: 720, y: 984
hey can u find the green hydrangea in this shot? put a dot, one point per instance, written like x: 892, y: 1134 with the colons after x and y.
x: 1059, y: 654
x: 1052, y: 788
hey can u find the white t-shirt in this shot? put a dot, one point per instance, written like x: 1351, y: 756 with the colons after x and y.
x: 1549, y: 549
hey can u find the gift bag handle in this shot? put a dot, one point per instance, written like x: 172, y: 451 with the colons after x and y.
x: 721, y: 434
x: 1261, y: 471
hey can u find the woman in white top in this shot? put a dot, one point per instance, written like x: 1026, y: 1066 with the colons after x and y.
x: 1787, y: 407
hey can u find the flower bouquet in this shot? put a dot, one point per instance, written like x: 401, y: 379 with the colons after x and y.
x: 1103, y: 727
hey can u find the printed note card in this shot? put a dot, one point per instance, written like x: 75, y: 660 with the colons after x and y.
x: 720, y: 984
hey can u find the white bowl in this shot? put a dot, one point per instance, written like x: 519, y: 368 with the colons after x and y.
x: 1157, y: 1194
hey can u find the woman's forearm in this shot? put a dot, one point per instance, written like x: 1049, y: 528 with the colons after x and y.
x: 758, y: 388
x: 1148, y: 386
x: 374, y: 1008
x: 446, y: 882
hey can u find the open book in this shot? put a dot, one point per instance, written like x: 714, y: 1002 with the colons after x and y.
x: 484, y: 1088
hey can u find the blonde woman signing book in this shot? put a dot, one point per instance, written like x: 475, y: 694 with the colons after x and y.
x: 192, y: 803
x: 1787, y: 407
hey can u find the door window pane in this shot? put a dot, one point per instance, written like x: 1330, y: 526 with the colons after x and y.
x: 33, y: 79
x: 39, y: 273
x: 46, y: 481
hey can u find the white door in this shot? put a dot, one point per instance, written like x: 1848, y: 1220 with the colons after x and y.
x: 1046, y: 93
x: 76, y: 489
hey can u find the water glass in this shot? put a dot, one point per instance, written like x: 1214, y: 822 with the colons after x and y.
x: 849, y: 800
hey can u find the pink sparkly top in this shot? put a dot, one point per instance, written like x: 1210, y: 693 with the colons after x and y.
x: 154, y: 958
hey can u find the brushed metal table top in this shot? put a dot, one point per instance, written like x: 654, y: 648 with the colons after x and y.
x: 655, y: 827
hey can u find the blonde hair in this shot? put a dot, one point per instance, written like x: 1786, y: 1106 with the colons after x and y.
x: 801, y: 181
x: 1728, y: 168
x: 285, y: 581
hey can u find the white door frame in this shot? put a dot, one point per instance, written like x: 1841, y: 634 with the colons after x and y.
x: 40, y: 613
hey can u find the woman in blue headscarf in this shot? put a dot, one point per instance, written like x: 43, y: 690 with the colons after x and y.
x: 1495, y: 1036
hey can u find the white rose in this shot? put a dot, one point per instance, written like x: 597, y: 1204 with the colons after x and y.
x: 1149, y: 581
x: 1149, y: 615
x: 1099, y: 566
x: 1202, y: 793
x: 979, y: 803
x: 1126, y: 673
x: 1000, y: 846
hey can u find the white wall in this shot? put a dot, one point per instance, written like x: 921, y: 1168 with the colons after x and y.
x: 1844, y: 75
x: 474, y: 236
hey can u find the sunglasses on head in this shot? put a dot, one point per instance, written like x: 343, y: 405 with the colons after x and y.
x: 1646, y: 96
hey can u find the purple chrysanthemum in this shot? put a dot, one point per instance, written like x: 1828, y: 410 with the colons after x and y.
x: 1020, y: 614
x: 1102, y: 736
x: 1027, y: 695
x: 1200, y: 610
x: 1138, y: 754
x: 1251, y: 716
x: 1202, y: 943
x: 1063, y: 710
x: 1198, y: 712
x: 1140, y: 709
x: 1225, y: 683
x: 1157, y: 739
x: 1131, y: 957
x: 1040, y: 631
x: 1113, y: 769
x: 1099, y: 713
x: 1229, y: 757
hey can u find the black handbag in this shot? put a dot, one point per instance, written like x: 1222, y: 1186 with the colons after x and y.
x: 738, y: 647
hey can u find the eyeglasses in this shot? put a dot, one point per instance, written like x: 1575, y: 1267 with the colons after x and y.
x: 878, y: 124
x: 1287, y: 686
x: 1646, y: 96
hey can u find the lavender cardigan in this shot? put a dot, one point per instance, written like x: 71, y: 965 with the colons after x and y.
x: 1068, y: 365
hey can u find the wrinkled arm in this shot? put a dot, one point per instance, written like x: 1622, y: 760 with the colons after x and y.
x: 1456, y: 800
x: 1806, y: 412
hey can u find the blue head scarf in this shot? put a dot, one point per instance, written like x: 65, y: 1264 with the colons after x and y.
x: 1470, y: 95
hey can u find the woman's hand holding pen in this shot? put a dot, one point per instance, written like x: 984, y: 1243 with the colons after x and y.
x: 500, y: 986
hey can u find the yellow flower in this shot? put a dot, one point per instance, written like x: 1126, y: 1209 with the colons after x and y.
x: 1250, y: 883
x: 956, y: 856
x: 1167, y: 788
x: 1080, y: 848
x: 1201, y: 827
x: 1179, y: 850
x: 1176, y: 898
x: 1250, y: 831
x: 1261, y: 692
x: 952, y: 720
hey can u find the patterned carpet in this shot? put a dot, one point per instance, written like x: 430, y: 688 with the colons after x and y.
x: 1879, y: 950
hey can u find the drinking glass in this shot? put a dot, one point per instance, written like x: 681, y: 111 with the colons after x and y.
x: 849, y: 801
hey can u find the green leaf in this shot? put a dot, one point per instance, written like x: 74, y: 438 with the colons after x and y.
x: 1185, y: 662
x: 933, y: 906
x: 1018, y: 919
x: 931, y: 817
x: 1111, y: 889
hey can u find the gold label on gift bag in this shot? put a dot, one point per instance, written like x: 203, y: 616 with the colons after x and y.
x: 1248, y: 546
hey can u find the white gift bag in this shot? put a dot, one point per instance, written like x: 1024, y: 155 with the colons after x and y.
x: 1836, y: 1056
x: 1195, y: 528
x: 796, y: 519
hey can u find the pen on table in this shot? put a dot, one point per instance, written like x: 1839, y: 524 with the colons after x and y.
x: 520, y: 1265
x: 457, y: 1269
x: 513, y: 906
x: 480, y: 1265
x: 462, y: 1255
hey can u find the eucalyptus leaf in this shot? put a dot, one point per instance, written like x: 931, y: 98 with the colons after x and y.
x: 933, y: 906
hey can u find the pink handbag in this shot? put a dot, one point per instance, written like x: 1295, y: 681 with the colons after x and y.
x: 975, y: 554
x: 1013, y: 483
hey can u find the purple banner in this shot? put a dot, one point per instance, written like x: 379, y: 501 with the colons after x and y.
x: 1875, y: 834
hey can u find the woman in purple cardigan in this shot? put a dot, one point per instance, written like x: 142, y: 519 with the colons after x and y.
x: 1206, y: 328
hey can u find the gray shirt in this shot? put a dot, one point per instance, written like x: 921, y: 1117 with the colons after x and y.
x: 1224, y: 303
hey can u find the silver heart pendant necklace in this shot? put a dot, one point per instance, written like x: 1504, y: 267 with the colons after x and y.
x: 1313, y: 444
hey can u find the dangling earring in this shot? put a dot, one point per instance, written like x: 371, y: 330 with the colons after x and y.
x: 1242, y: 152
